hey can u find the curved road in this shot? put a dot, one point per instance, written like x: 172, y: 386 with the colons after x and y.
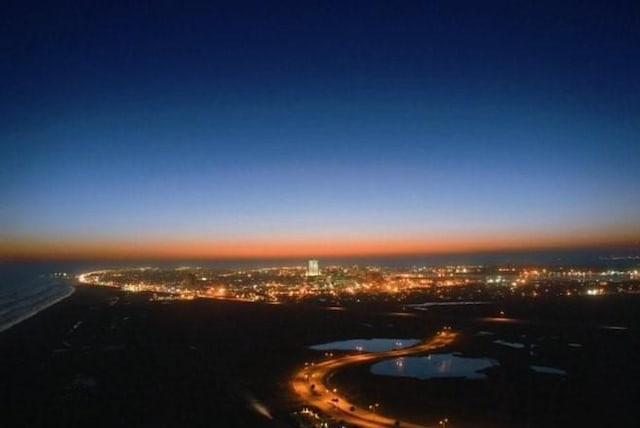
x: 310, y: 384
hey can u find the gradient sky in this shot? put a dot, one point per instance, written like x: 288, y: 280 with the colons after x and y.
x: 268, y: 128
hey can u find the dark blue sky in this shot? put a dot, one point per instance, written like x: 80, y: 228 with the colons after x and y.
x: 260, y: 120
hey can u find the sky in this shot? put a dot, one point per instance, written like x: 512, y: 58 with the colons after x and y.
x: 258, y: 129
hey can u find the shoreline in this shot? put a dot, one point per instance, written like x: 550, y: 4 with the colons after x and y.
x: 37, y: 310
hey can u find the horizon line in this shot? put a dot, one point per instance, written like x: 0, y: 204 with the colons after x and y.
x: 259, y: 250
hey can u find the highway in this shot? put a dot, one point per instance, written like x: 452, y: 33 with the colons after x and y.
x: 310, y: 383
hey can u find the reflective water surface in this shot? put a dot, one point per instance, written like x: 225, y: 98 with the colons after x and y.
x: 434, y: 366
x: 366, y: 345
x: 547, y: 370
x: 515, y: 345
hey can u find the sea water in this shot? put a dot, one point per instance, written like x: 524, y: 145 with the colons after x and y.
x: 28, y: 288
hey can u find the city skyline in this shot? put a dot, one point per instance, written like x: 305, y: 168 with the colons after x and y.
x: 257, y: 131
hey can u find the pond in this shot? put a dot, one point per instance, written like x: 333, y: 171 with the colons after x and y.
x: 515, y: 345
x: 366, y: 345
x: 434, y: 366
x: 548, y: 370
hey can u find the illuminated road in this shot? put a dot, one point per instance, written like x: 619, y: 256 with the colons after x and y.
x: 310, y: 384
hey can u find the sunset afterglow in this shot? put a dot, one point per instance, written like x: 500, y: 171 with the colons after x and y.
x: 173, y: 140
x: 311, y: 246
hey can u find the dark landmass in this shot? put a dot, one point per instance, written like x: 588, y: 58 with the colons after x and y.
x: 594, y: 340
x: 135, y: 363
x: 108, y: 358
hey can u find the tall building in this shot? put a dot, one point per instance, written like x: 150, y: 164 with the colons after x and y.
x: 313, y: 268
x: 190, y: 281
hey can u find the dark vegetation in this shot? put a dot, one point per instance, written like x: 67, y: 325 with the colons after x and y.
x: 135, y: 363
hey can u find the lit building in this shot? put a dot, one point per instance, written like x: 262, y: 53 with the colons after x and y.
x: 313, y: 268
x: 190, y: 281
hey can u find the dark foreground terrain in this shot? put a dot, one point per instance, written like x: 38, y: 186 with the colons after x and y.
x: 110, y: 359
x: 594, y: 341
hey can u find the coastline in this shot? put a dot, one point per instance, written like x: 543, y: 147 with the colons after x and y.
x: 37, y: 310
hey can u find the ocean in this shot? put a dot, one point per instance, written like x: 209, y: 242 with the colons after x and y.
x: 29, y: 287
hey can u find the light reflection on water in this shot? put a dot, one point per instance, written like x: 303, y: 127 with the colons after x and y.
x: 434, y: 366
x: 366, y: 345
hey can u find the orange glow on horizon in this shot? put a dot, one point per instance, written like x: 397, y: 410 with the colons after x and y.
x: 15, y: 249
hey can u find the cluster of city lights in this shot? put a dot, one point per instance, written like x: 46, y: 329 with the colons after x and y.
x: 337, y: 285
